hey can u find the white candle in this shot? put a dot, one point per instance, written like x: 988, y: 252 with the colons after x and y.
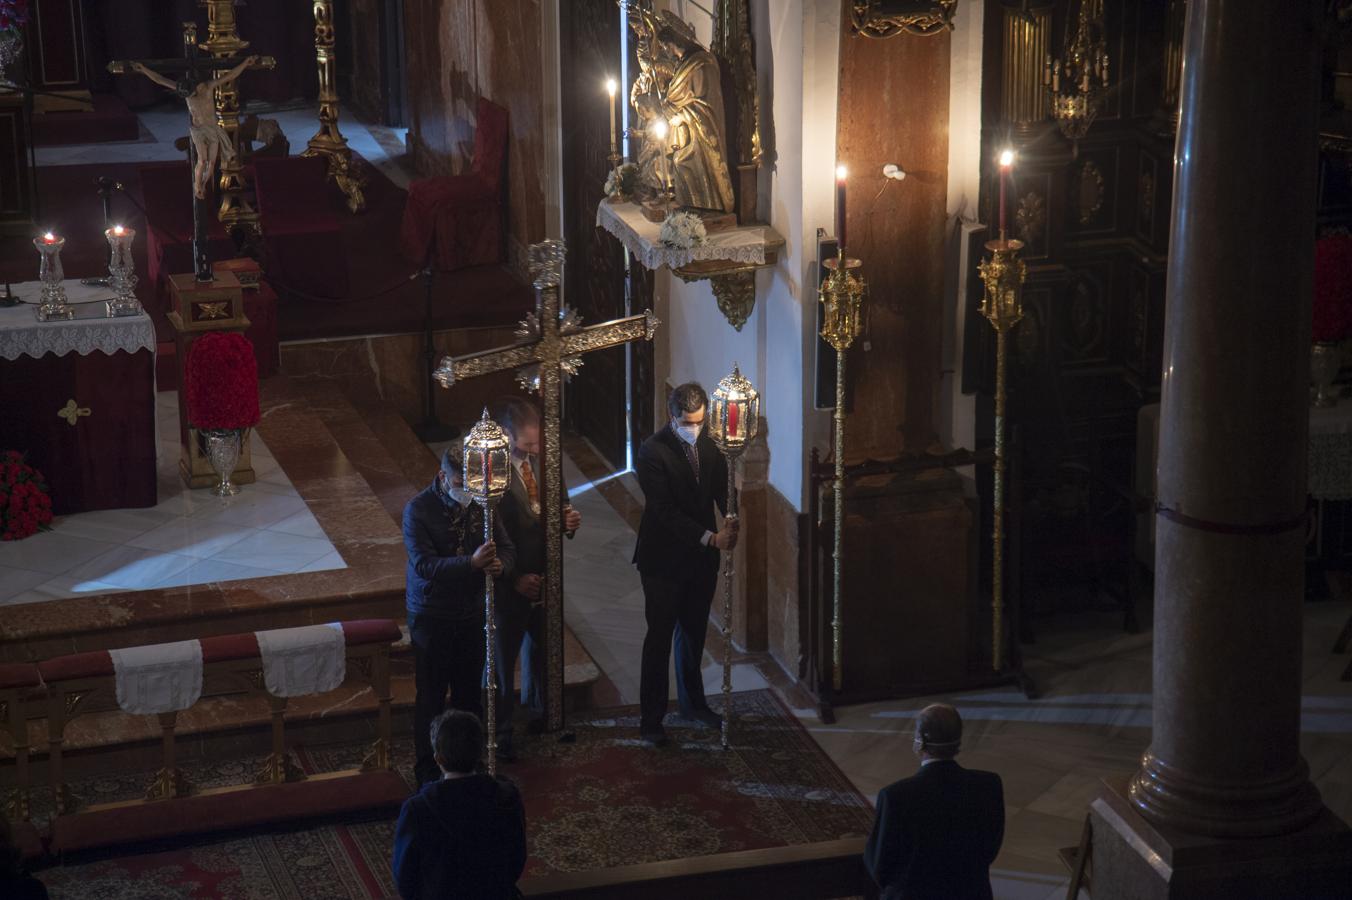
x: 611, y: 88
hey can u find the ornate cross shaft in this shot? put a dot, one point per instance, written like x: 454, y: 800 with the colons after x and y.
x: 552, y: 345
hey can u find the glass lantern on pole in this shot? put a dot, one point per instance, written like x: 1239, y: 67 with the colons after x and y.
x: 734, y: 418
x: 487, y: 475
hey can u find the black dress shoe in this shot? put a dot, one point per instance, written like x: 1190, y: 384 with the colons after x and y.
x: 655, y: 736
x: 705, y: 717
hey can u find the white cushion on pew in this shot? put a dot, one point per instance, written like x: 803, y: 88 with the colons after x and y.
x: 158, y: 678
x: 311, y: 659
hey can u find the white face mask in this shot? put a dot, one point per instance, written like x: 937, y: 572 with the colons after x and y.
x: 459, y: 495
x: 687, y: 433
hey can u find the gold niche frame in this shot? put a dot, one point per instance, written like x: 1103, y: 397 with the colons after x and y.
x: 888, y: 18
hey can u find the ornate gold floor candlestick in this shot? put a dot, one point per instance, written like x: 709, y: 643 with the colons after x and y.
x: 328, y: 140
x: 734, y: 418
x: 842, y: 296
x: 487, y: 468
x: 1003, y: 275
x: 223, y: 41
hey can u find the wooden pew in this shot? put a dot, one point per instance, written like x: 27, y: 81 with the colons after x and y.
x: 172, y: 807
x: 820, y: 871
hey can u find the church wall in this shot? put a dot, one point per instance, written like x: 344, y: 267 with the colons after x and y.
x: 458, y: 51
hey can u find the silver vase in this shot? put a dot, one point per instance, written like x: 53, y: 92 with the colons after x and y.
x: 223, y: 449
x: 1325, y: 361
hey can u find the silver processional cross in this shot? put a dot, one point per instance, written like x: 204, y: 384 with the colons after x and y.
x: 552, y: 342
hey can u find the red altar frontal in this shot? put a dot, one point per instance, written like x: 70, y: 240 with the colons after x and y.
x: 78, y: 398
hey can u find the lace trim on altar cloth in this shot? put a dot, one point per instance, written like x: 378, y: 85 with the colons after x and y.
x: 21, y: 334
x: 745, y: 244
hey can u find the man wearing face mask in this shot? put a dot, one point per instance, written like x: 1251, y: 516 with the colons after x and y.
x: 683, y: 477
x: 937, y: 832
x: 444, y: 597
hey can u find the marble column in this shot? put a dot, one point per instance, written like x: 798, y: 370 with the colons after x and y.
x: 1224, y: 770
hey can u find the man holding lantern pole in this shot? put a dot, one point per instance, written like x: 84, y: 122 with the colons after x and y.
x: 683, y: 477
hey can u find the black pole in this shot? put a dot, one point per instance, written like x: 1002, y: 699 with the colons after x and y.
x: 200, y: 264
x: 430, y: 430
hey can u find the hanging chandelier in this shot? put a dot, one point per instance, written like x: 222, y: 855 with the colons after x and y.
x: 1075, y: 83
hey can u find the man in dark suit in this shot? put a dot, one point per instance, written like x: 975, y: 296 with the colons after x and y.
x: 683, y: 476
x: 444, y: 597
x: 520, y: 603
x: 463, y: 835
x: 938, y: 831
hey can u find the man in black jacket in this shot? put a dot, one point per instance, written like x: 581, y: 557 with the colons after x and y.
x: 520, y: 603
x: 937, y: 832
x: 463, y: 835
x: 683, y: 476
x: 444, y: 597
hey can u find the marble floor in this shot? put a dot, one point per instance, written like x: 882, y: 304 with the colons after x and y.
x: 1091, y: 722
x: 189, y: 537
x: 162, y: 125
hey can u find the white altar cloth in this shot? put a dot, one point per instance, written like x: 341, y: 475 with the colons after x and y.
x: 745, y: 244
x: 21, y: 334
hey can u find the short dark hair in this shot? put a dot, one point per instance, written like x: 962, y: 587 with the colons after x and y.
x: 453, y: 460
x: 686, y: 398
x: 458, y: 741
x: 939, y: 728
x: 513, y: 412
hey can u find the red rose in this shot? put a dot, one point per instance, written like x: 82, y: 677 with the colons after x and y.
x: 221, y: 382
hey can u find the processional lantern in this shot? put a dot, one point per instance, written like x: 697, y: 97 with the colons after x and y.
x: 734, y: 418
x: 488, y: 466
x: 487, y: 475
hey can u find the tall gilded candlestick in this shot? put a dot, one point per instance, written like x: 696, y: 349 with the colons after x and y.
x: 734, y: 418
x: 842, y: 298
x: 487, y: 475
x: 54, y: 306
x: 122, y: 271
x: 1002, y: 305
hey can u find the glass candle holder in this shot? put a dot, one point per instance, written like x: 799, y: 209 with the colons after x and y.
x: 122, y: 272
x: 54, y: 306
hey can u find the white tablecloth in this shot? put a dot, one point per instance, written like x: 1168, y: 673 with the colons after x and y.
x: 745, y: 244
x: 21, y: 334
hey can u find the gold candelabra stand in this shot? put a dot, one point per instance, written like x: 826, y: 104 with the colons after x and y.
x: 222, y: 41
x: 842, y: 298
x: 328, y: 141
x: 1002, y: 305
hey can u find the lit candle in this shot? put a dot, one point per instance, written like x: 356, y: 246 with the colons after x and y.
x: 49, y: 238
x: 119, y: 230
x: 660, y: 135
x: 1056, y: 77
x: 840, y: 205
x: 611, y: 88
x: 1006, y: 162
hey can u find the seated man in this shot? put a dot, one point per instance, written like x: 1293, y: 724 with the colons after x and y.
x: 938, y: 831
x: 463, y: 836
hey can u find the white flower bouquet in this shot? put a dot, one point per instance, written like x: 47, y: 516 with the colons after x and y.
x: 621, y: 181
x: 682, y: 230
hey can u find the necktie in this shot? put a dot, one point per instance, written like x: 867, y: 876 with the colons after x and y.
x: 691, y: 458
x: 532, y: 490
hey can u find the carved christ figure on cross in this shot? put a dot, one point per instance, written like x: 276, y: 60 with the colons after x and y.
x: 209, y: 140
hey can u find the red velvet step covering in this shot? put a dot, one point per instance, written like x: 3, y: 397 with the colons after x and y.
x: 18, y: 675
x: 302, y: 215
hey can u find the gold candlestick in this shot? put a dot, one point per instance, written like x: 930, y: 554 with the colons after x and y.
x: 328, y: 141
x: 1002, y: 305
x: 842, y: 296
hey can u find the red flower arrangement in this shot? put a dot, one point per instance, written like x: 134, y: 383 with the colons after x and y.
x: 25, y: 507
x: 1332, y: 288
x: 222, y: 382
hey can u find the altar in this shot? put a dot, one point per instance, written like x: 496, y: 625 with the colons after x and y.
x: 78, y: 398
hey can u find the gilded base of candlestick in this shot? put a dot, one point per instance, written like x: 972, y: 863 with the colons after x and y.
x: 1003, y: 275
x: 342, y: 172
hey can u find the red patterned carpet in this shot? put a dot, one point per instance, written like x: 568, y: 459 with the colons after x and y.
x: 601, y: 801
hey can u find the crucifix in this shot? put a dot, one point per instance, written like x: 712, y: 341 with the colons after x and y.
x: 197, y: 78
x: 552, y: 344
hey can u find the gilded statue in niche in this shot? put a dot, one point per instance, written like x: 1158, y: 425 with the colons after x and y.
x: 679, y: 82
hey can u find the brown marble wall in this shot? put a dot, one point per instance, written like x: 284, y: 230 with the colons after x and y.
x: 459, y: 51
x: 893, y: 108
x: 394, y: 365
